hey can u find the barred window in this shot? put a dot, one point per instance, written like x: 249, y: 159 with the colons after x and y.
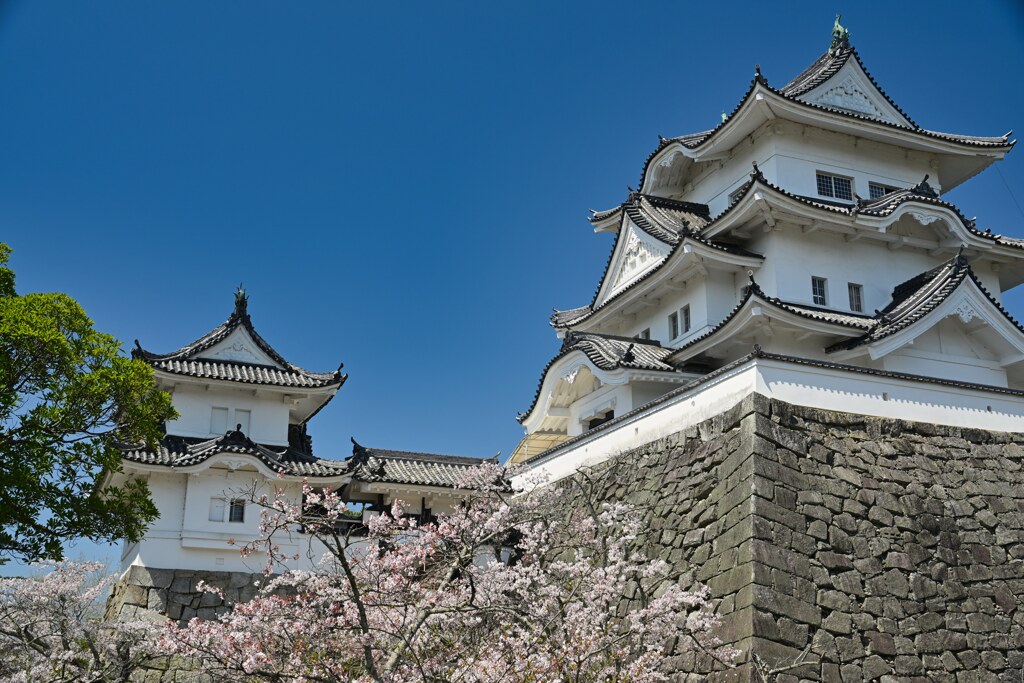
x: 856, y: 297
x: 237, y: 510
x: 876, y: 190
x: 673, y: 325
x: 684, y: 313
x: 819, y: 290
x: 835, y: 186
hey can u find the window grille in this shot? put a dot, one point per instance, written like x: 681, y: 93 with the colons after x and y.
x: 856, y: 297
x: 876, y: 190
x: 237, y: 511
x: 835, y: 186
x: 673, y: 325
x: 819, y: 292
x: 685, y: 315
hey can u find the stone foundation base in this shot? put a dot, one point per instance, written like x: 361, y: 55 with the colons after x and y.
x: 148, y: 593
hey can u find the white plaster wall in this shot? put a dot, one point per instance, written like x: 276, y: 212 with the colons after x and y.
x: 792, y: 257
x: 789, y: 155
x: 269, y: 419
x: 710, y: 299
x: 828, y: 389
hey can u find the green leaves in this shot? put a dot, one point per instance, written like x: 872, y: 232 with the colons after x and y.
x: 68, y: 400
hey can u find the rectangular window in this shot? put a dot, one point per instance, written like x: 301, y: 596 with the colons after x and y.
x: 835, y: 186
x: 242, y: 417
x: 856, y: 297
x: 819, y: 291
x: 219, y: 421
x: 237, y: 513
x: 600, y: 419
x: 217, y: 506
x: 644, y: 334
x: 673, y: 325
x: 684, y: 315
x: 876, y: 190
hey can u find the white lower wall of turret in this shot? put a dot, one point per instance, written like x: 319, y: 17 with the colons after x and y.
x: 826, y: 388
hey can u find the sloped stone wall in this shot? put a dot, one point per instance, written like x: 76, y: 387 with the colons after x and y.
x: 839, y: 547
x: 148, y: 593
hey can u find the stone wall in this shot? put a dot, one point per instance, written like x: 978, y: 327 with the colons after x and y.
x: 857, y: 548
x: 155, y: 594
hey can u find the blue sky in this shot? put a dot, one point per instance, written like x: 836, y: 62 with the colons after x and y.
x: 403, y: 186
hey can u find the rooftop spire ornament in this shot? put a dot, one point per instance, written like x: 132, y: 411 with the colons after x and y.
x: 241, y: 299
x: 840, y: 36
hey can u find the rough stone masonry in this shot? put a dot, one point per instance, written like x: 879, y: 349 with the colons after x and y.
x: 840, y: 547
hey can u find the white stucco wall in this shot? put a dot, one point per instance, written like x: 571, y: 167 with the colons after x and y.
x: 268, y: 422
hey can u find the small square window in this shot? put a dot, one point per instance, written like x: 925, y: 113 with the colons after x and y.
x: 684, y: 314
x: 237, y: 513
x: 673, y: 325
x: 217, y: 506
x: 835, y: 186
x: 856, y: 297
x: 819, y: 290
x: 876, y: 190
x: 644, y: 334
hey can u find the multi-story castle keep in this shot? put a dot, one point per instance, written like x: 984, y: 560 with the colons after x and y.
x: 796, y: 363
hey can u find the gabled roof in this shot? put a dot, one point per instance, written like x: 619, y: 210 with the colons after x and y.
x: 610, y: 353
x: 664, y: 219
x: 919, y: 296
x: 826, y: 67
x: 176, y: 451
x: 817, y: 74
x: 379, y: 465
x: 667, y: 220
x: 190, y: 361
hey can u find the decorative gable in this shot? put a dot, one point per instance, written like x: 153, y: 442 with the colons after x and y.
x: 636, y: 254
x: 851, y: 90
x: 239, y: 347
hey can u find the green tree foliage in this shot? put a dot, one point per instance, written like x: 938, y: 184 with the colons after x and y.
x: 68, y: 398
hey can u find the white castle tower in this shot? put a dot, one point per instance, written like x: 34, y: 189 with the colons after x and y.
x: 801, y: 249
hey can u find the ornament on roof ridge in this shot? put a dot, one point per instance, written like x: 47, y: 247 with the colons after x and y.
x: 840, y: 36
x: 241, y: 300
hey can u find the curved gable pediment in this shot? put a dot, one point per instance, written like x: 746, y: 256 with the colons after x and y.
x: 636, y: 253
x: 851, y: 90
x: 239, y: 347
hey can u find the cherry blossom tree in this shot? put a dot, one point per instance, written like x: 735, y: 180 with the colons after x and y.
x: 51, y: 631
x: 538, y: 587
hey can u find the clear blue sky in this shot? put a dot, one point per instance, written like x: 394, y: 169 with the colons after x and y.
x: 404, y: 186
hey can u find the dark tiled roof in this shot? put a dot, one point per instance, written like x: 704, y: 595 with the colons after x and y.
x: 919, y: 296
x: 827, y: 66
x: 664, y: 219
x: 922, y: 193
x: 246, y: 372
x: 816, y: 74
x: 188, y: 360
x: 667, y: 220
x: 176, y: 451
x: 608, y: 352
x: 407, y: 467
